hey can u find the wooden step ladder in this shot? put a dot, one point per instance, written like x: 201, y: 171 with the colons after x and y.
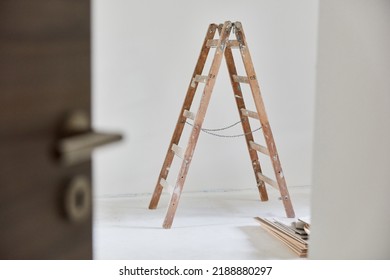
x: 223, y: 47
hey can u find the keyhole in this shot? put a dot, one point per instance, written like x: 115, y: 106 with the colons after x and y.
x: 77, y: 199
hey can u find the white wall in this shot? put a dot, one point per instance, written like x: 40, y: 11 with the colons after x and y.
x: 351, y: 185
x: 144, y: 53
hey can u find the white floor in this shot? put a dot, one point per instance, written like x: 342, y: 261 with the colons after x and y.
x: 208, y: 225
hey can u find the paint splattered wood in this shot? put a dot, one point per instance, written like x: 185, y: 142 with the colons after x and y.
x: 269, y: 139
x: 223, y: 48
x: 245, y: 122
x: 199, y: 118
x: 181, y: 120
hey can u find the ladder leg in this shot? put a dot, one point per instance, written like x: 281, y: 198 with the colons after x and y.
x: 215, y: 65
x: 181, y: 120
x: 255, y: 88
x: 245, y: 122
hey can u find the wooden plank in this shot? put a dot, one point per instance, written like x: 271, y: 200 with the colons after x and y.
x: 189, y: 115
x: 258, y: 100
x: 166, y: 185
x: 241, y: 79
x: 181, y: 120
x: 259, y: 148
x: 299, y: 251
x: 269, y: 181
x: 250, y: 114
x: 245, y: 123
x: 199, y: 79
x: 178, y: 151
x: 277, y: 228
x: 233, y: 44
x: 212, y: 43
x: 204, y: 102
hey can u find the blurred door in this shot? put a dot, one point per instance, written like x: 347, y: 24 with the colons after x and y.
x: 45, y: 92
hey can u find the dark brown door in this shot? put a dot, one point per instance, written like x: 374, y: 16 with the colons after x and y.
x: 45, y: 76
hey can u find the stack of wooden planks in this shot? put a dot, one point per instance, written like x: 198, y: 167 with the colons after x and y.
x: 292, y: 232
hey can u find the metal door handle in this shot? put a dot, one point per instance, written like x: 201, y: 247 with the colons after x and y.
x: 78, y: 148
x: 81, y: 140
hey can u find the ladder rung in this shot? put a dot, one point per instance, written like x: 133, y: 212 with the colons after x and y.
x: 233, y: 44
x: 240, y: 79
x: 178, y: 151
x: 267, y: 180
x: 166, y: 185
x: 199, y: 79
x: 212, y: 43
x: 189, y: 115
x: 259, y: 148
x: 250, y: 114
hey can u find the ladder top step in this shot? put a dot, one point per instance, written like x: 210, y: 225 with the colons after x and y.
x: 212, y: 43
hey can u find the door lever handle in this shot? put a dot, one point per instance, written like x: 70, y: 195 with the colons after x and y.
x: 80, y: 141
x: 78, y: 148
